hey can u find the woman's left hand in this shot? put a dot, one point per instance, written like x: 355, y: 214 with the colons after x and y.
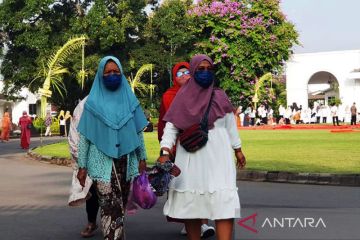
x: 142, y: 166
x: 240, y: 159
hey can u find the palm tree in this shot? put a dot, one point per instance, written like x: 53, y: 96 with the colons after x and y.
x: 260, y: 83
x: 141, y: 87
x: 54, y: 70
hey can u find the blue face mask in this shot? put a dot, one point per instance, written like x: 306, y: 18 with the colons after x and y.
x: 204, y: 78
x: 112, y: 81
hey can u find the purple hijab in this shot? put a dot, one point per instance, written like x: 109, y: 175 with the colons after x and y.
x: 191, y: 102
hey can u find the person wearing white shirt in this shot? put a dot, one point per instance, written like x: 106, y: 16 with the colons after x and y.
x: 334, y: 114
x: 281, y: 112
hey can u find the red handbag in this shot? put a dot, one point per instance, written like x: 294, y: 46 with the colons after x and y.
x: 196, y: 136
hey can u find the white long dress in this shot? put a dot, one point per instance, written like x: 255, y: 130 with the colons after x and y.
x: 206, y: 187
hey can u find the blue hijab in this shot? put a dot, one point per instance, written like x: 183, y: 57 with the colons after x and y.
x: 111, y: 120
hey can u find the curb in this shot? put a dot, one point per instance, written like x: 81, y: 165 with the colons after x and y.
x: 48, y: 159
x: 352, y: 180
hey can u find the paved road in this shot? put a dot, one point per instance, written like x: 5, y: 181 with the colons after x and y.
x: 33, y: 197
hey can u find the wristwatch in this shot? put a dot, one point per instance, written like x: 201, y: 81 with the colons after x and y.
x: 237, y: 150
x: 164, y: 153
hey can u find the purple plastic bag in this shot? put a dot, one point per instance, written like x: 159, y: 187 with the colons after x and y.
x: 131, y: 207
x: 143, y: 195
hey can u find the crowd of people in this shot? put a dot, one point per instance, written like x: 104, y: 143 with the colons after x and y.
x: 293, y: 114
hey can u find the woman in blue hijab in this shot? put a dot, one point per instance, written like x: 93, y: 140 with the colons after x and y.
x: 111, y: 147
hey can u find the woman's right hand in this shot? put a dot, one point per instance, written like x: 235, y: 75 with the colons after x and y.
x: 163, y: 159
x: 82, y: 173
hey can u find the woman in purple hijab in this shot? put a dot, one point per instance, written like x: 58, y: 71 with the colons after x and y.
x: 206, y: 187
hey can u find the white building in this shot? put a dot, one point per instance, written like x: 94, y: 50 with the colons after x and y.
x: 322, y: 76
x: 30, y: 103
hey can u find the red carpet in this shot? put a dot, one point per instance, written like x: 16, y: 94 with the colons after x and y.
x: 341, y: 128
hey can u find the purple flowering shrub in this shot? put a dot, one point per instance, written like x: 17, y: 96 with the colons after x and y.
x: 248, y: 37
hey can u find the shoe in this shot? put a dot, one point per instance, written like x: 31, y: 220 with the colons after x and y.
x: 89, y: 230
x: 207, y: 231
x: 183, y: 231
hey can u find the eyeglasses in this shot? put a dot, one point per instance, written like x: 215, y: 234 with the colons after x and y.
x: 179, y: 74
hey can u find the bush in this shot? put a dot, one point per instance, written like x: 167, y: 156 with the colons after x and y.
x: 39, y: 124
x: 334, y: 101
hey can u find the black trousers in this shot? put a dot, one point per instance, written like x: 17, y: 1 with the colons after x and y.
x: 335, y: 119
x: 62, y: 130
x: 92, y: 205
x: 264, y: 120
x: 252, y: 121
x: 353, y: 119
x: 324, y: 119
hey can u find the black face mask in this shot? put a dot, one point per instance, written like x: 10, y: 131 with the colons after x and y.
x: 112, y: 81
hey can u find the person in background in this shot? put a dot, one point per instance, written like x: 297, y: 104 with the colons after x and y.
x: 281, y: 112
x: 62, y: 123
x: 181, y: 75
x: 48, y: 122
x: 150, y: 126
x: 206, y: 187
x: 270, y: 116
x: 92, y: 203
x: 5, y: 127
x: 288, y: 115
x: 247, y: 116
x: 25, y: 124
x: 252, y: 116
x: 334, y: 114
x: 111, y: 148
x: 67, y: 119
x: 353, y: 111
x: 325, y: 113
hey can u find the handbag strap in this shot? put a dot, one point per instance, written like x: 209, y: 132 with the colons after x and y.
x: 204, y: 120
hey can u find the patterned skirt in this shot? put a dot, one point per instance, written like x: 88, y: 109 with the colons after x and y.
x: 112, y: 200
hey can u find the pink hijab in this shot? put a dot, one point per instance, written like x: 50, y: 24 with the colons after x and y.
x: 191, y: 102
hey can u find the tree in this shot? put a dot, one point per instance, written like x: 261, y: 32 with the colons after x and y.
x: 32, y: 30
x: 54, y: 70
x: 137, y: 85
x: 169, y: 28
x: 246, y: 39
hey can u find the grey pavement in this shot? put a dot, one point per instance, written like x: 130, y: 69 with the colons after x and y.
x: 33, y: 205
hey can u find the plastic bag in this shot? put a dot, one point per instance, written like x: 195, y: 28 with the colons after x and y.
x: 143, y: 194
x: 79, y: 194
x: 131, y: 207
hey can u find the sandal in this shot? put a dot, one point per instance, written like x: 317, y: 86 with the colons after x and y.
x: 89, y: 230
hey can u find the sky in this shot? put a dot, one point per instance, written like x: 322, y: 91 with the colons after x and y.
x: 324, y: 25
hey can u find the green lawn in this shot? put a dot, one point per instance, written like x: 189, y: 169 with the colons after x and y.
x: 277, y: 150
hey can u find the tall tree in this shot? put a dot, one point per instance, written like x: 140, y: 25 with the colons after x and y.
x: 168, y: 39
x: 246, y: 39
x: 32, y: 30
